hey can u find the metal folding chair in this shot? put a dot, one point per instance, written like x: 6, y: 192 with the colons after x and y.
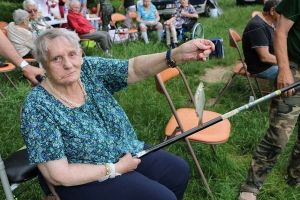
x: 185, y: 118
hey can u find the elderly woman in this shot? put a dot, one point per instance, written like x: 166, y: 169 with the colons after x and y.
x: 182, y: 16
x: 80, y: 137
x: 18, y: 34
x: 148, y: 17
x: 37, y: 23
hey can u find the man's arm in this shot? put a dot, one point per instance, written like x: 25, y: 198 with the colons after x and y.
x: 8, y: 51
x: 265, y: 56
x: 284, y: 77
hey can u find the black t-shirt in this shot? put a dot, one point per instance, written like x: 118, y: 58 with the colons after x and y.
x: 128, y: 3
x: 257, y: 33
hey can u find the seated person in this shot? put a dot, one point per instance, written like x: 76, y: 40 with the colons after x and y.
x: 129, y: 7
x: 53, y: 8
x: 258, y: 42
x: 182, y: 16
x: 37, y: 23
x: 148, y: 17
x: 20, y: 37
x: 86, y: 30
x: 81, y: 138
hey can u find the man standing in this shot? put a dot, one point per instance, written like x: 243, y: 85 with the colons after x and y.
x: 284, y: 110
x: 258, y: 42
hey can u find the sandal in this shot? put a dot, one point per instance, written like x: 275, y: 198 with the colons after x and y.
x: 248, y: 189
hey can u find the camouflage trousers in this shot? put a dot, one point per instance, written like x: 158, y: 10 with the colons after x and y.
x: 107, y: 11
x: 283, y: 116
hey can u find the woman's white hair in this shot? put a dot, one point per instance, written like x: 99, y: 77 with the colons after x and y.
x: 28, y: 3
x: 73, y: 2
x: 61, y: 35
x: 20, y: 16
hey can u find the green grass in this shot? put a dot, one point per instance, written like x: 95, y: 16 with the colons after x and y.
x: 148, y: 112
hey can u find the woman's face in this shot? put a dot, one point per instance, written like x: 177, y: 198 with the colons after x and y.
x: 76, y: 8
x: 32, y: 10
x: 184, y: 3
x: 146, y: 3
x: 64, y: 63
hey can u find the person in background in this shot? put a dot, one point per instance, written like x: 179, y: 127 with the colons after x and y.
x: 37, y: 23
x: 257, y: 42
x: 53, y: 8
x: 182, y: 16
x: 148, y: 18
x: 80, y: 137
x: 105, y: 7
x: 129, y: 7
x: 8, y: 51
x: 284, y: 110
x: 19, y: 36
x: 85, y: 29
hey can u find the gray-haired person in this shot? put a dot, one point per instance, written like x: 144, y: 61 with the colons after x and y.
x: 81, y: 138
x: 86, y: 30
x: 20, y: 37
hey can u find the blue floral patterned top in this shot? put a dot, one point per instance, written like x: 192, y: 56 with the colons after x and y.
x: 97, y: 132
x: 147, y: 15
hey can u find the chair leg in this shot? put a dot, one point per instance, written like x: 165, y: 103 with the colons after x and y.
x: 258, y: 86
x: 2, y: 95
x: 213, y: 148
x: 225, y: 88
x: 10, y: 80
x: 197, y: 164
x: 249, y: 81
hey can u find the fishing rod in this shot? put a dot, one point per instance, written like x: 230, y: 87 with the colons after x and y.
x: 215, y: 120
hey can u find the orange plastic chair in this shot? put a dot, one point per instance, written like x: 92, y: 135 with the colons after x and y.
x: 240, y: 68
x: 117, y: 17
x: 3, y: 24
x: 184, y: 118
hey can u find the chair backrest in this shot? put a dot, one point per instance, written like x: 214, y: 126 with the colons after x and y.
x: 3, y: 24
x: 254, y: 13
x: 118, y: 17
x: 167, y: 75
x: 234, y: 38
x: 132, y: 15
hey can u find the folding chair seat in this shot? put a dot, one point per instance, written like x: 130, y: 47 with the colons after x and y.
x: 240, y: 68
x: 16, y: 170
x: 4, y: 68
x: 185, y: 118
x: 117, y: 17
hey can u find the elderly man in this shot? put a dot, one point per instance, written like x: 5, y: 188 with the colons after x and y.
x: 258, y: 42
x: 85, y: 29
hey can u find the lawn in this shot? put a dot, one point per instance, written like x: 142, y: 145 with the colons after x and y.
x: 148, y: 112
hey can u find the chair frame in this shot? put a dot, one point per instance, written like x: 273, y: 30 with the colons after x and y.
x: 161, y: 88
x: 117, y: 17
x: 240, y: 69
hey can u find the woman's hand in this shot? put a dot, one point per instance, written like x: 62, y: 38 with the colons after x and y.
x: 127, y: 164
x: 198, y: 49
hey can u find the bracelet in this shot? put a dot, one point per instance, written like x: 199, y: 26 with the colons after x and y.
x: 110, y: 172
x: 23, y: 64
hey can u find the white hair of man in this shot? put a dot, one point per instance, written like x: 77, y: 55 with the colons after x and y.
x: 74, y: 2
x: 20, y: 16
x: 61, y: 35
x: 28, y: 3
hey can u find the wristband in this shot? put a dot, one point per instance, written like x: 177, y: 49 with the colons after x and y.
x: 23, y: 64
x: 110, y: 172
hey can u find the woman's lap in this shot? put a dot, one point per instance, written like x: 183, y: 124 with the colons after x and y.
x: 160, y: 175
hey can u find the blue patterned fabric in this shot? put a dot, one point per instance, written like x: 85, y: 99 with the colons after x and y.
x: 147, y: 15
x: 97, y: 132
